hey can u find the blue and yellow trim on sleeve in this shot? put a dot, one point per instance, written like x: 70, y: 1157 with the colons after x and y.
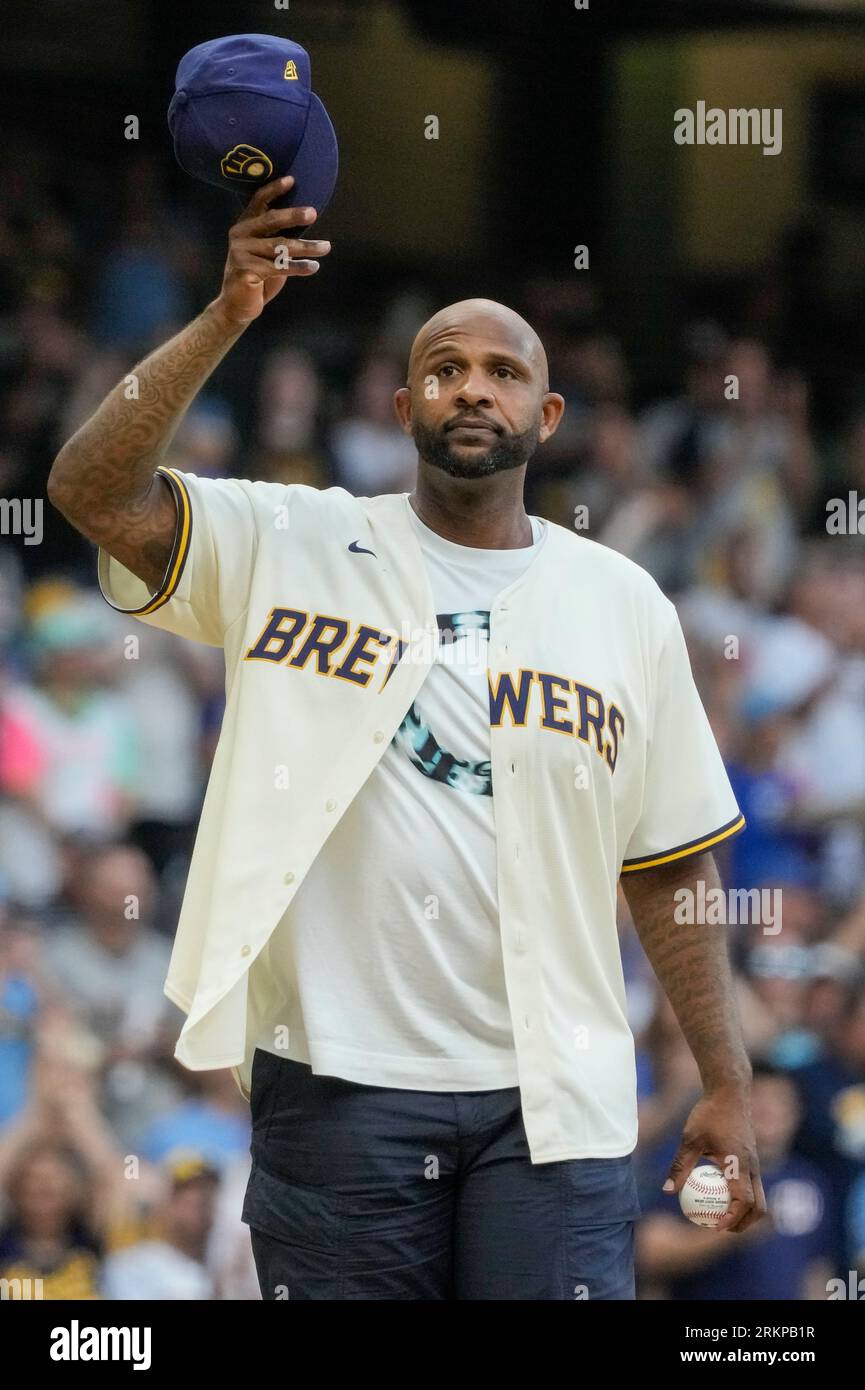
x: 653, y: 861
x: 180, y: 549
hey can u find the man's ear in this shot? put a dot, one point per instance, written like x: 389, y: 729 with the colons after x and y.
x: 552, y: 410
x: 402, y: 408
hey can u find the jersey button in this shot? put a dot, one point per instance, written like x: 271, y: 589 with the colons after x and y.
x: 378, y: 735
x: 330, y: 804
x: 246, y: 950
x: 288, y: 878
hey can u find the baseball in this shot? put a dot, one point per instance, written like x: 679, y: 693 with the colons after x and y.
x: 705, y: 1198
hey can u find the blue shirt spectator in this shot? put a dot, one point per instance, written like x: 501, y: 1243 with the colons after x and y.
x: 19, y: 1006
x: 195, y: 1124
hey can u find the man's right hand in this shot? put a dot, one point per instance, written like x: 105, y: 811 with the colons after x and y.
x: 261, y: 257
x: 104, y: 479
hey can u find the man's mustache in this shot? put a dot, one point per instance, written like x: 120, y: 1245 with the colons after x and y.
x: 473, y: 420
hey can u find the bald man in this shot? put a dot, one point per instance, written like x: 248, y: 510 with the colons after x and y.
x: 449, y: 727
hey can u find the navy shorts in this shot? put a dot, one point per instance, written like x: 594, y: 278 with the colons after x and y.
x: 370, y: 1192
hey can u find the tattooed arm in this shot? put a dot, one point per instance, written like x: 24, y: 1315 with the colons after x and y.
x: 692, y: 963
x: 693, y: 966
x: 104, y: 479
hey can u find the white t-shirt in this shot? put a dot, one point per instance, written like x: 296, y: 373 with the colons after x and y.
x: 394, y: 975
x: 154, y: 1271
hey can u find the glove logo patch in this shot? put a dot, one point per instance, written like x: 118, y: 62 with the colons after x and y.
x: 245, y: 162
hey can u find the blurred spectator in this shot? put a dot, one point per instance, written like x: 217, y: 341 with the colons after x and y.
x: 855, y: 1222
x: 99, y: 373
x: 762, y: 467
x: 170, y: 1265
x: 139, y: 297
x: 77, y: 745
x: 669, y: 1086
x: 111, y: 965
x: 832, y: 1130
x: 652, y: 525
x: 48, y: 1240
x: 138, y: 300
x: 229, y: 1256
x: 163, y: 673
x: 770, y: 849
x: 19, y: 1007
x: 371, y: 452
x: 213, y: 1120
x: 679, y: 435
x: 66, y: 1198
x: 288, y: 445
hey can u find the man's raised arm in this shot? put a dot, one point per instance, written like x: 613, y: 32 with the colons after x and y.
x: 104, y: 479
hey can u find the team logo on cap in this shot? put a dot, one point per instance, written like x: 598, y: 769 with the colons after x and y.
x: 290, y: 74
x: 245, y: 162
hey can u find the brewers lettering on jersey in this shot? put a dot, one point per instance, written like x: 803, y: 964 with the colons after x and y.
x: 450, y: 729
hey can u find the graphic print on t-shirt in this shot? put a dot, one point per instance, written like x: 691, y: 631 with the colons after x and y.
x: 418, y: 740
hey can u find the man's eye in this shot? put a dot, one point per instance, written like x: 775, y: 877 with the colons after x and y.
x: 507, y: 371
x: 447, y: 367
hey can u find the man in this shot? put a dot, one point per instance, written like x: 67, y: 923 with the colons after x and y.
x: 832, y: 1089
x: 449, y: 727
x: 107, y: 963
x: 171, y: 1264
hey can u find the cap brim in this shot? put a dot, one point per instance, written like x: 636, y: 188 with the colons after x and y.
x: 316, y: 164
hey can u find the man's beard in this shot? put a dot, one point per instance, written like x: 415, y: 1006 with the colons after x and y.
x: 508, y: 451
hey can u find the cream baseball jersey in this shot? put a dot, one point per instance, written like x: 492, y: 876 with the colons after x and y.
x: 602, y: 762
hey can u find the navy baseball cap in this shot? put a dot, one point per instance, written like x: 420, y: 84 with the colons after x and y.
x: 244, y: 113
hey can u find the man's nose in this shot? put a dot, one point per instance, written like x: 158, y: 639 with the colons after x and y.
x: 475, y: 390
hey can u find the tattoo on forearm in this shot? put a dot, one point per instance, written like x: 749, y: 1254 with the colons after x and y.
x: 103, y: 478
x: 692, y: 964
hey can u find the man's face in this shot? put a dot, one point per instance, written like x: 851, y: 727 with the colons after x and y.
x: 191, y: 1208
x: 477, y: 400
x: 115, y: 880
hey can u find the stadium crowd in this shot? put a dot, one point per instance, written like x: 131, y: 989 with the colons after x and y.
x: 121, y: 1174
